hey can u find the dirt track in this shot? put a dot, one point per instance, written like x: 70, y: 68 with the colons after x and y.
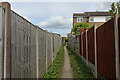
x: 67, y: 70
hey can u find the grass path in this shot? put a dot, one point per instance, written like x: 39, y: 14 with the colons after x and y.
x: 80, y: 69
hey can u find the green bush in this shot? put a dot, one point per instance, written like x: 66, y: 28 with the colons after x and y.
x: 115, y: 9
x: 78, y: 26
x: 55, y: 69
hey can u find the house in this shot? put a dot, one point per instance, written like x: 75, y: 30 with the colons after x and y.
x: 92, y: 18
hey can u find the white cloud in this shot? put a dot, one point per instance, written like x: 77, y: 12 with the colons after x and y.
x: 56, y: 22
x: 43, y: 10
x: 45, y: 14
x: 101, y: 6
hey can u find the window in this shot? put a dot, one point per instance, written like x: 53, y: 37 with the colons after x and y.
x: 91, y: 19
x: 107, y: 18
x: 79, y: 19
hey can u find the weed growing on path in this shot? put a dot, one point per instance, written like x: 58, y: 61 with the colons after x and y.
x: 80, y: 70
x: 55, y: 69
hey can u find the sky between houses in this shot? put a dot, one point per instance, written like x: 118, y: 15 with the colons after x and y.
x: 56, y: 16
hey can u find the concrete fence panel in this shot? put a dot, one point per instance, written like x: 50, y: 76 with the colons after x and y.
x: 48, y: 49
x: 41, y: 51
x: 26, y: 51
x: 23, y: 40
x: 56, y: 43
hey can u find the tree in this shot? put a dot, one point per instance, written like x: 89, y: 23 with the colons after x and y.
x: 78, y: 26
x: 115, y: 9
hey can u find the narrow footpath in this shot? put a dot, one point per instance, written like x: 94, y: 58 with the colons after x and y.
x: 67, y: 70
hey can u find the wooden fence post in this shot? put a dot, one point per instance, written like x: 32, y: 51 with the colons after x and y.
x: 7, y: 39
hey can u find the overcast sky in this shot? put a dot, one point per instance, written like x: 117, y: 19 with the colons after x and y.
x: 56, y: 16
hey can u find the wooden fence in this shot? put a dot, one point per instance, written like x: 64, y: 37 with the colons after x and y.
x: 100, y: 48
x: 26, y: 51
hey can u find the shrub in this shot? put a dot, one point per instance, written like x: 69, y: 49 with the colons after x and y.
x: 78, y: 26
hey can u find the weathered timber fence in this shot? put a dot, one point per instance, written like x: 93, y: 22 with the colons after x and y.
x: 99, y: 47
x: 26, y: 51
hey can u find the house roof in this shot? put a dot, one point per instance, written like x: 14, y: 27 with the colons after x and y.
x: 87, y: 14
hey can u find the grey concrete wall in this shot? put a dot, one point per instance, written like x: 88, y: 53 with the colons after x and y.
x: 73, y: 43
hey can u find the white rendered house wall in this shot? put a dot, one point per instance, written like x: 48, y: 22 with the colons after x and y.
x: 99, y: 18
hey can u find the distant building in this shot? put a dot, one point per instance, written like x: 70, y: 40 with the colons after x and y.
x: 92, y: 18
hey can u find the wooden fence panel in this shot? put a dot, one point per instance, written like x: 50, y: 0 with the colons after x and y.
x: 106, y: 50
x: 84, y: 45
x: 102, y: 46
x: 119, y: 41
x: 91, y: 47
x: 80, y: 47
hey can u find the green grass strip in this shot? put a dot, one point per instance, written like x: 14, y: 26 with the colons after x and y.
x: 55, y: 70
x: 80, y: 70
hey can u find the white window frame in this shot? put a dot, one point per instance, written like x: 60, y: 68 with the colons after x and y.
x: 79, y: 18
x: 90, y: 19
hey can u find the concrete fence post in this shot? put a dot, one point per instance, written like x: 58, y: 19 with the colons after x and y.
x: 87, y: 47
x: 52, y: 47
x: 7, y: 40
x: 117, y: 46
x: 46, y: 49
x: 37, y: 54
x: 1, y: 41
x: 95, y: 51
